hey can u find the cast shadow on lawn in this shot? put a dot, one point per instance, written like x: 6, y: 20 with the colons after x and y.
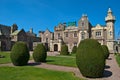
x: 50, y: 61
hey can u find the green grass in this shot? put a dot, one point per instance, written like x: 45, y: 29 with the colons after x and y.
x: 62, y: 60
x: 56, y: 60
x: 31, y: 73
x: 118, y: 59
x: 6, y: 59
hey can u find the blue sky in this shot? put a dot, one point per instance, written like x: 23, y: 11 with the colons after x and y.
x: 43, y: 14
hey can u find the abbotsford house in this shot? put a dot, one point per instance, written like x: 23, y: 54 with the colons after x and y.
x: 67, y: 33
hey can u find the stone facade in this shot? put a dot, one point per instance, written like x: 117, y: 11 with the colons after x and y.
x: 10, y: 34
x: 71, y: 35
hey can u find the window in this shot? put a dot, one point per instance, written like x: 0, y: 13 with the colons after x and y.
x: 66, y: 34
x: 75, y: 34
x: 82, y: 35
x: 82, y: 23
x: 98, y: 34
x: 110, y: 33
x: 58, y: 35
x: 46, y: 39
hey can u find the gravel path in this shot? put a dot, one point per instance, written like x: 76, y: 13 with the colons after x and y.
x: 112, y: 70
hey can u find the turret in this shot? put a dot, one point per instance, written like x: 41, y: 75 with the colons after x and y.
x: 110, y: 19
x: 110, y: 16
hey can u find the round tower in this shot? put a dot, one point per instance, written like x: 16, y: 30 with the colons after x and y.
x: 110, y: 20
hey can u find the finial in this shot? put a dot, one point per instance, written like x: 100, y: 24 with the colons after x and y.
x: 109, y: 10
x: 83, y: 15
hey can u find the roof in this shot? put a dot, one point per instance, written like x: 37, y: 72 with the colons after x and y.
x: 31, y: 34
x: 5, y: 30
x: 16, y: 32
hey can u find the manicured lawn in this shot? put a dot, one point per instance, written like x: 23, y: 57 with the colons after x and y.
x: 57, y: 60
x: 62, y: 60
x: 6, y: 59
x: 118, y: 58
x: 31, y: 73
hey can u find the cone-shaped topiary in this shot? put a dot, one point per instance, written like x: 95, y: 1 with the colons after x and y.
x: 19, y: 54
x: 64, y: 50
x: 40, y: 53
x: 90, y: 58
x: 106, y: 51
x: 74, y: 49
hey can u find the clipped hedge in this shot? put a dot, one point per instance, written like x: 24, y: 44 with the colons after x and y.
x: 64, y: 50
x: 19, y: 54
x: 106, y: 51
x: 90, y: 58
x: 74, y: 50
x: 40, y: 53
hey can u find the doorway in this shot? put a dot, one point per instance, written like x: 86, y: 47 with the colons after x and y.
x: 55, y: 47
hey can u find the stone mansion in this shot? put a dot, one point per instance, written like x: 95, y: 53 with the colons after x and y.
x: 71, y: 35
x: 10, y: 34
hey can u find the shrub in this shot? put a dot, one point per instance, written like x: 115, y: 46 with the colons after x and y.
x: 19, y: 54
x: 74, y: 49
x: 117, y: 56
x: 106, y: 51
x: 64, y: 50
x: 40, y: 53
x: 90, y: 58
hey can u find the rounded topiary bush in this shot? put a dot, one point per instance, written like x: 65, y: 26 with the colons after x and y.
x: 90, y: 58
x: 106, y: 51
x: 40, y: 53
x: 74, y: 49
x: 64, y: 50
x: 19, y: 54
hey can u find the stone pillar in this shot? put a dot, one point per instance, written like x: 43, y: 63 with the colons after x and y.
x: 59, y: 45
x: 51, y: 45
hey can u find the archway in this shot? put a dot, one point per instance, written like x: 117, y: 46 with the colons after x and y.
x: 55, y: 47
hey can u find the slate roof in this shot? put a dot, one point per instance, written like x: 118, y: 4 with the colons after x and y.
x: 31, y: 34
x: 5, y: 30
x: 16, y: 32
